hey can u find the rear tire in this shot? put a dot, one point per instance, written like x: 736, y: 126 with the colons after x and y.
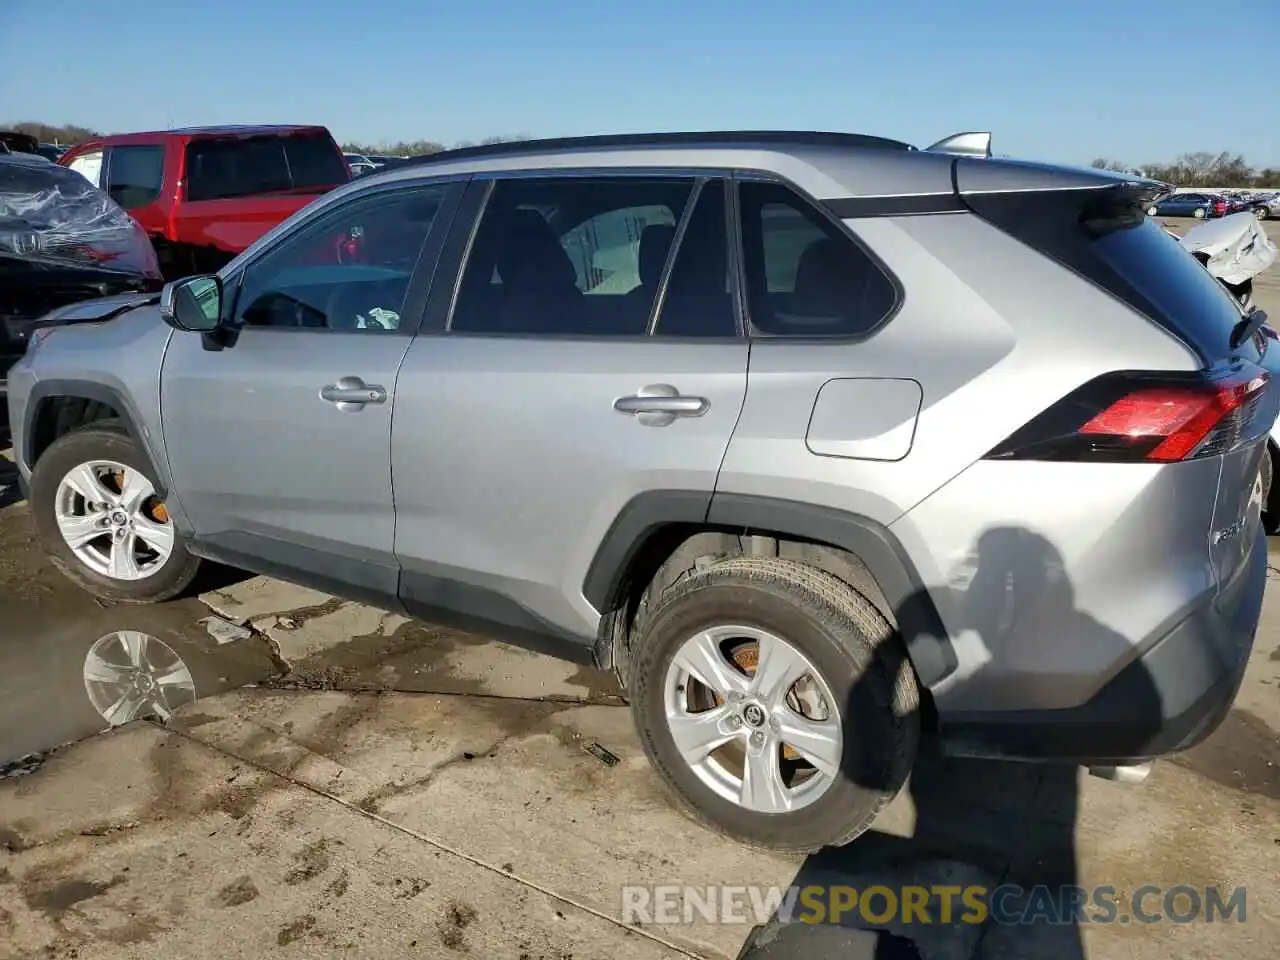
x: 150, y: 576
x: 853, y: 653
x: 1152, y: 211
x: 1199, y: 213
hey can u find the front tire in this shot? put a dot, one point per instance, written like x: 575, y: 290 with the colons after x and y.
x: 775, y: 702
x: 97, y: 516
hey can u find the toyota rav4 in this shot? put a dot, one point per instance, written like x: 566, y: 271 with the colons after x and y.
x: 815, y: 439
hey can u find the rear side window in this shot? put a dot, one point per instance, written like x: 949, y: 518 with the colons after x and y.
x: 570, y: 256
x: 1104, y: 236
x: 220, y: 169
x: 313, y: 162
x: 805, y: 276
x: 135, y: 174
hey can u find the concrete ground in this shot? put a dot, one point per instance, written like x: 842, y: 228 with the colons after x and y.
x: 337, y: 781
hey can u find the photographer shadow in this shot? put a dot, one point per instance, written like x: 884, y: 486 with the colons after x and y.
x: 961, y: 822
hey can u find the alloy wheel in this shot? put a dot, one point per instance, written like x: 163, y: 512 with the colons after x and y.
x: 113, y: 521
x: 754, y: 719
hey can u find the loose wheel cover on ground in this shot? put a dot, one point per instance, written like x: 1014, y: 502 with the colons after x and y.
x: 843, y: 635
x: 105, y: 442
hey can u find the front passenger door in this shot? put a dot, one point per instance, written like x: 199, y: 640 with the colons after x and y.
x: 279, y: 445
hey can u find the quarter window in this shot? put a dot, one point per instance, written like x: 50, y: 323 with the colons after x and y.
x: 135, y: 174
x: 580, y: 256
x: 349, y: 269
x: 805, y: 276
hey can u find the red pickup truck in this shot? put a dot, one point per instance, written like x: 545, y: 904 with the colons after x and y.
x: 204, y: 194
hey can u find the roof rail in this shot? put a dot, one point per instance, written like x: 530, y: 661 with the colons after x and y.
x: 969, y: 144
x: 710, y: 138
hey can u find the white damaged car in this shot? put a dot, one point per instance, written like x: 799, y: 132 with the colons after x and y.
x: 1234, y: 249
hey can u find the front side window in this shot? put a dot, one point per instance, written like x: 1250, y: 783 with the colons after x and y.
x: 805, y: 276
x: 135, y: 174
x: 348, y: 269
x: 580, y: 256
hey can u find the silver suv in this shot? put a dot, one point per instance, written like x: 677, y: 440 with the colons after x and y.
x: 816, y: 439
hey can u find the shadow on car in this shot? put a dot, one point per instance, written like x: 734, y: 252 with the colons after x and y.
x: 990, y: 837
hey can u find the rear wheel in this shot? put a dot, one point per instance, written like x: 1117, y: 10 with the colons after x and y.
x: 1152, y: 211
x: 1199, y: 213
x: 99, y: 518
x: 775, y: 702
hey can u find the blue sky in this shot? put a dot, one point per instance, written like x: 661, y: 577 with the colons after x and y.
x: 1052, y: 80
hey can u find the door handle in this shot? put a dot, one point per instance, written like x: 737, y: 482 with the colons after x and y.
x: 351, y: 394
x: 658, y: 404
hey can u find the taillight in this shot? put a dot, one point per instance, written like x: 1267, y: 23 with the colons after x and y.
x: 1136, y: 417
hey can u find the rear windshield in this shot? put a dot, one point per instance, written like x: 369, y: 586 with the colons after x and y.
x: 1105, y: 236
x: 1173, y: 280
x: 218, y: 169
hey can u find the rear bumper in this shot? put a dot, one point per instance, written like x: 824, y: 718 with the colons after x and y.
x: 1168, y: 700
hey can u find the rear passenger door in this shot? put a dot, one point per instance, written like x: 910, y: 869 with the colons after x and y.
x: 592, y: 354
x: 832, y: 401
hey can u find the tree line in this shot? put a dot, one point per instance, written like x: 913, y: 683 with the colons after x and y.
x: 419, y: 148
x: 1202, y: 169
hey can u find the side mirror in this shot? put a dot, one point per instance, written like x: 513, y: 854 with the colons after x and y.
x: 193, y: 304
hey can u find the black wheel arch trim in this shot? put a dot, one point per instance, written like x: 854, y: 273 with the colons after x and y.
x: 872, y: 542
x: 45, y: 390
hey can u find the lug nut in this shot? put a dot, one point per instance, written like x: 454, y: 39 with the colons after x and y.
x: 734, y: 723
x: 757, y: 738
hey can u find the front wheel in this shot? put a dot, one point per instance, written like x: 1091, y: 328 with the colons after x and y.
x: 1152, y: 211
x: 99, y: 518
x: 775, y: 702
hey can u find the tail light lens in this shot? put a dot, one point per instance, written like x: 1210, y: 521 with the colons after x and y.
x: 1135, y: 417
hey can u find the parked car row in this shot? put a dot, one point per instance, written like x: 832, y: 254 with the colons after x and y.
x: 1204, y: 206
x: 361, y: 163
x: 12, y: 142
x: 204, y: 194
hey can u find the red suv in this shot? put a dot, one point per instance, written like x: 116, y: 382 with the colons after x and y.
x: 203, y: 194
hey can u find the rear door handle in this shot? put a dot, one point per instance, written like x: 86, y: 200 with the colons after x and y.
x: 351, y: 394
x: 658, y: 404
